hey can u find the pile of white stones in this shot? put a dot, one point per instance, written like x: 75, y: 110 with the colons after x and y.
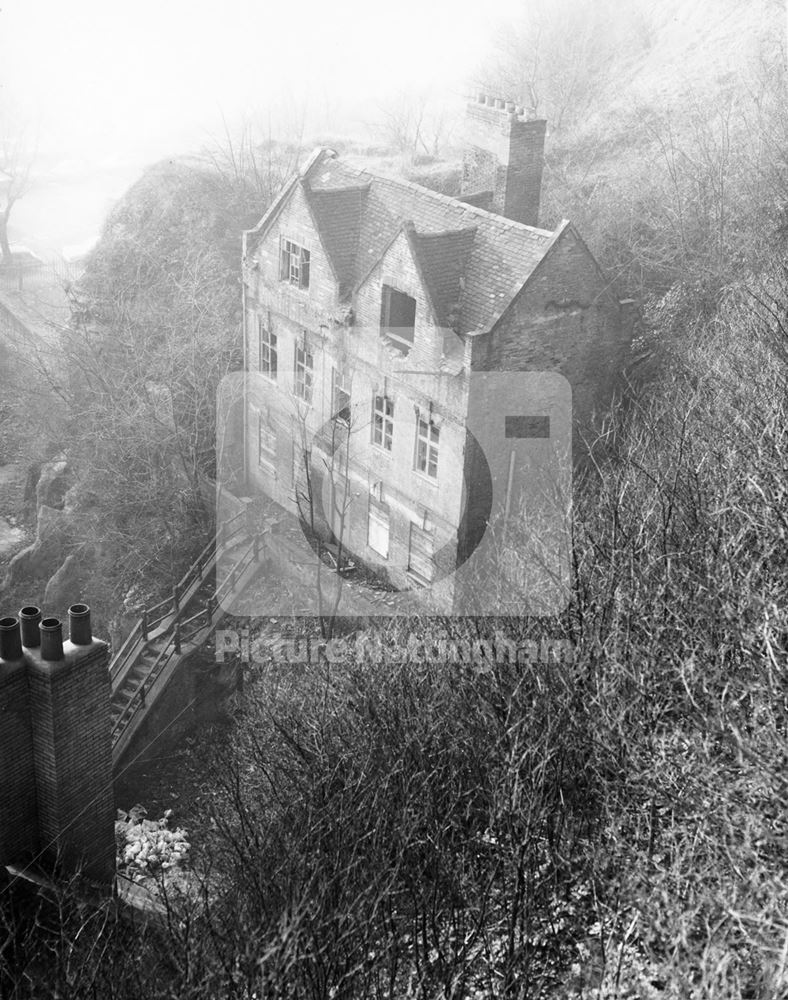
x: 147, y: 846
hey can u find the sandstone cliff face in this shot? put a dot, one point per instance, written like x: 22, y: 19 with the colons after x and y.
x: 60, y: 560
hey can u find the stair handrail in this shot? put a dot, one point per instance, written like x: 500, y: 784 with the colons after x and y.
x: 203, y: 564
x: 119, y: 658
x: 205, y: 561
x: 135, y: 701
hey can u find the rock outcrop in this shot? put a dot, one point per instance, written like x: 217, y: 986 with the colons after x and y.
x: 53, y: 483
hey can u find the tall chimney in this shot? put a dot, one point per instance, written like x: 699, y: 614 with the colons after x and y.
x: 56, y: 744
x: 504, y: 156
x: 18, y: 803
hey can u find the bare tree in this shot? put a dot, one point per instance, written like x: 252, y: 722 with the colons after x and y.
x: 17, y: 153
x: 409, y: 124
x: 252, y: 162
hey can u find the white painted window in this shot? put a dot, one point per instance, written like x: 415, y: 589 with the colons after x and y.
x: 427, y: 440
x: 383, y: 422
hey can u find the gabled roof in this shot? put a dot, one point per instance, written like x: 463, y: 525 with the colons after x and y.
x: 338, y: 214
x: 469, y: 258
x: 442, y: 260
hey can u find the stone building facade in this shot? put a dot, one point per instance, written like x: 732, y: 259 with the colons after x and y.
x: 370, y: 305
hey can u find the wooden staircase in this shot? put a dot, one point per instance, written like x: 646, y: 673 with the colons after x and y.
x: 173, y: 629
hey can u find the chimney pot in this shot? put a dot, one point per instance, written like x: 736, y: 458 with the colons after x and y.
x: 51, y: 639
x: 500, y: 103
x: 10, y: 639
x: 29, y: 617
x: 510, y: 106
x: 481, y: 98
x: 79, y: 625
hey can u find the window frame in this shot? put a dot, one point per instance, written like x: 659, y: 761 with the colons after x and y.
x: 268, y: 349
x: 341, y: 388
x: 421, y: 534
x: 427, y: 448
x: 264, y: 425
x: 383, y: 422
x: 379, y: 511
x: 294, y: 263
x: 303, y: 373
x: 403, y: 344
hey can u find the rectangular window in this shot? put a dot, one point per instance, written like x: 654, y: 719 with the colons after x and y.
x: 266, y: 444
x: 398, y: 318
x: 427, y: 437
x: 421, y: 551
x: 304, y: 373
x: 378, y: 529
x: 383, y: 422
x: 341, y: 397
x: 268, y: 351
x: 294, y: 263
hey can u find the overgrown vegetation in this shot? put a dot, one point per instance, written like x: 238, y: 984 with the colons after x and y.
x: 607, y: 827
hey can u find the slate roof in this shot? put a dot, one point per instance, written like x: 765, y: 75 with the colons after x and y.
x: 338, y: 215
x: 470, y: 258
x: 442, y: 259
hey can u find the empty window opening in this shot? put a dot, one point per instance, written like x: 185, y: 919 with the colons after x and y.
x: 341, y: 397
x: 398, y: 318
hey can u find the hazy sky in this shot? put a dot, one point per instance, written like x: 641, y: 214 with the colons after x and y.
x: 114, y: 86
x: 122, y: 75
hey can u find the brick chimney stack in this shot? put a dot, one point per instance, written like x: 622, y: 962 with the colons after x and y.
x: 55, y: 745
x: 503, y: 159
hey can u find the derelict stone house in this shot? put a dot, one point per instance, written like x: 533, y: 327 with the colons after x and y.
x: 369, y: 304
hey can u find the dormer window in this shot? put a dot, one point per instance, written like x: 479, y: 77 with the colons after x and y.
x: 398, y: 318
x: 294, y: 264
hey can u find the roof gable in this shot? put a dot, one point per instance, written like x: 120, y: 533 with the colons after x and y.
x: 402, y: 241
x: 472, y: 262
x: 442, y: 260
x: 487, y: 269
x: 337, y: 214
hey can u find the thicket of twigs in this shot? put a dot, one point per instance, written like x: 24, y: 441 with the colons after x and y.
x: 607, y: 827
x: 611, y: 826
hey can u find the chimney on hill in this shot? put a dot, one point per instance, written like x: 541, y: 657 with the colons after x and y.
x: 503, y: 158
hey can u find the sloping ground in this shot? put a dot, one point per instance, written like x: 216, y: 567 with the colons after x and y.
x: 693, y: 47
x: 676, y: 57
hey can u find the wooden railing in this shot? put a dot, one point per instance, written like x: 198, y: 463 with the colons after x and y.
x: 167, y: 620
